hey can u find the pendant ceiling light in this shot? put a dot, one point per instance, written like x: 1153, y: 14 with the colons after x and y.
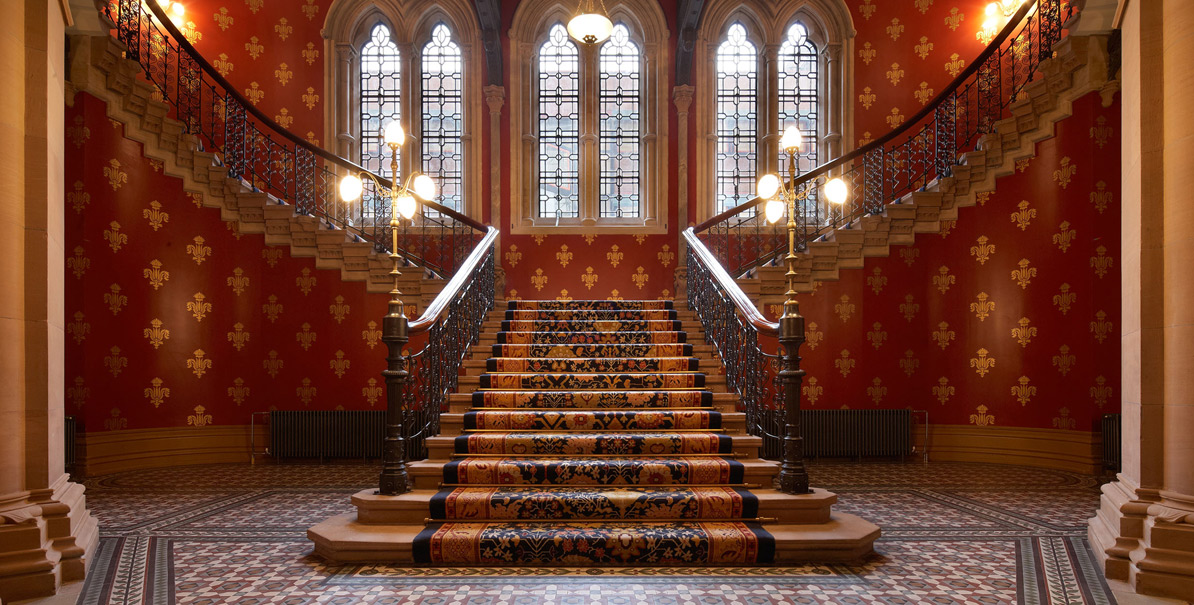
x: 590, y: 25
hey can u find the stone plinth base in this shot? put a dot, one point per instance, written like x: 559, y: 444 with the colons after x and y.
x: 1146, y: 538
x: 46, y: 539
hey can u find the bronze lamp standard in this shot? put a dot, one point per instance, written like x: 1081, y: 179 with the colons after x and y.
x: 780, y: 196
x: 394, y: 327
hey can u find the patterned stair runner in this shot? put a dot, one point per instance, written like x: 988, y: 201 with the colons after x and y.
x: 592, y: 440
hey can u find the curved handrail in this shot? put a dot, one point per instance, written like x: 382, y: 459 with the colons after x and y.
x: 436, y: 310
x: 741, y: 300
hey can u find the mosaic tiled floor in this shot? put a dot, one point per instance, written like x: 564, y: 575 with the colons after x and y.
x: 952, y: 533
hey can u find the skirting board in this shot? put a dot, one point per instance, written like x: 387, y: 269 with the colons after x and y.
x: 116, y: 451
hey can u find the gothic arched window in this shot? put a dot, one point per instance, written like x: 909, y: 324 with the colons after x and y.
x: 737, y: 118
x: 381, y: 95
x: 559, y: 126
x: 442, y: 92
x: 620, y: 132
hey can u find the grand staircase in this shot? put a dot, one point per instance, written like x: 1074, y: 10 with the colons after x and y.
x: 593, y: 433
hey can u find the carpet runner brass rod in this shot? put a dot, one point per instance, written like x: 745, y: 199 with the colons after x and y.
x: 588, y: 456
x: 562, y: 485
x: 499, y: 373
x: 594, y: 430
x: 570, y: 389
x: 629, y: 519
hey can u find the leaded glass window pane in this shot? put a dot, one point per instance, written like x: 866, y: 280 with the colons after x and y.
x: 798, y: 95
x: 559, y: 126
x: 737, y: 115
x: 621, y: 107
x: 443, y: 116
x: 380, y: 97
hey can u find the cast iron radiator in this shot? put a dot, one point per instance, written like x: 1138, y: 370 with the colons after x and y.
x: 68, y: 443
x: 326, y: 434
x: 856, y: 433
x: 1111, y: 441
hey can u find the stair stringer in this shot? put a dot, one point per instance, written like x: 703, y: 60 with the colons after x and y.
x: 98, y: 66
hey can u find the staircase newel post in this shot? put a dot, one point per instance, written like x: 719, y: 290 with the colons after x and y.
x: 393, y: 470
x: 793, y: 478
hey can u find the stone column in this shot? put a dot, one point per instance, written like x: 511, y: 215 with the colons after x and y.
x: 495, y: 98
x: 1144, y: 529
x: 682, y: 98
x: 46, y: 531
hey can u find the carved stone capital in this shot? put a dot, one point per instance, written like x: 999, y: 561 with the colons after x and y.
x: 495, y: 97
x: 682, y: 98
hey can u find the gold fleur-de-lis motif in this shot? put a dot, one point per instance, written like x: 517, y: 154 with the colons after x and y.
x: 371, y: 334
x: 78, y: 199
x: 909, y: 363
x: 272, y: 364
x: 590, y: 238
x: 982, y: 306
x: 198, y: 307
x: 305, y: 281
x: 238, y: 336
x: 895, y: 30
x: 943, y: 336
x: 271, y: 256
x: 983, y: 250
x: 223, y: 65
x: 1100, y: 327
x: 114, y: 299
x: 1063, y: 238
x: 614, y: 255
x: 1100, y: 197
x: 943, y: 391
x: 589, y: 278
x: 909, y: 308
x: 1023, y: 276
x: 191, y: 32
x: 1100, y: 262
x: 513, y: 256
x: 78, y: 393
x: 776, y: 310
x: 876, y: 391
x: 310, y: 54
x: 865, y: 139
x: 1023, y: 333
x: 640, y: 277
x: 116, y: 177
x: 982, y: 418
x: 564, y: 256
x: 1100, y: 132
x: 982, y: 363
x: 254, y: 5
x: 943, y: 280
x: 198, y: 250
x: 811, y: 390
x: 923, y: 93
x: 666, y: 256
x: 114, y: 237
x: 923, y: 49
x: 812, y: 335
x: 254, y: 48
x: 371, y: 392
x: 1100, y: 392
x: 1023, y: 392
x: 223, y: 19
x: 238, y: 282
x: 1065, y: 172
x: 340, y: 365
x: 1064, y: 361
x: 946, y: 227
x: 844, y: 308
x: 844, y: 364
x: 895, y: 74
x: 79, y: 133
x: 909, y: 255
x: 867, y: 9
x: 116, y: 423
x: 272, y: 308
x: 955, y: 65
x: 79, y: 263
x: 285, y: 120
x: 867, y: 97
x: 115, y: 362
x: 877, y: 280
x: 156, y: 334
x: 156, y: 393
x: 895, y: 118
x: 238, y: 392
x: 254, y: 93
x: 310, y: 98
x: 955, y: 18
x: 196, y: 198
x: 78, y: 329
x: 305, y: 336
x: 199, y: 364
x: 615, y: 295
x: 877, y: 335
x: 305, y: 392
x: 982, y: 197
x: 640, y: 238
x: 283, y: 28
x: 1023, y: 217
x: 539, y: 280
x: 310, y: 9
x: 283, y: 73
x: 866, y: 53
x: 200, y: 418
x: 1064, y: 299
x: 1063, y: 421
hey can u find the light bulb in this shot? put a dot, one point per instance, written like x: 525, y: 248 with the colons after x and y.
x: 178, y: 9
x: 991, y: 8
x: 406, y: 205
x: 394, y: 135
x: 791, y: 139
x: 768, y: 185
x: 774, y: 210
x: 424, y: 187
x: 351, y: 187
x: 835, y: 191
x: 590, y: 28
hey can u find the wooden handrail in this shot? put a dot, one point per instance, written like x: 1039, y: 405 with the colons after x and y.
x: 439, y: 306
x: 929, y: 108
x: 230, y: 90
x: 727, y: 283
